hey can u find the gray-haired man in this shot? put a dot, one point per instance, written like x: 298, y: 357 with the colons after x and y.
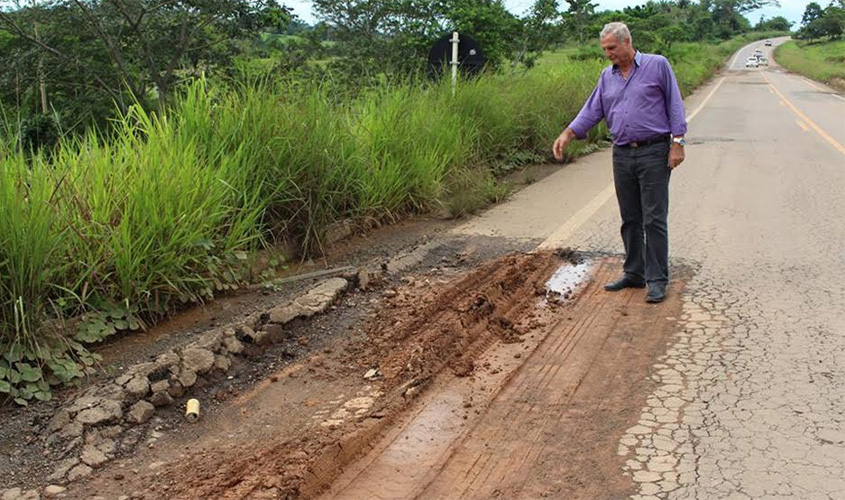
x: 639, y: 98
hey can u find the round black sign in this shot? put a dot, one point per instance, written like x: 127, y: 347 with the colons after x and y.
x: 470, y: 57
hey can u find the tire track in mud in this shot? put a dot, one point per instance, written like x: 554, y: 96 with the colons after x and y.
x: 427, y: 330
x: 480, y: 358
x: 548, y: 381
x: 551, y: 430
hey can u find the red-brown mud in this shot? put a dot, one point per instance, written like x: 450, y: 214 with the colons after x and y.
x: 291, y: 436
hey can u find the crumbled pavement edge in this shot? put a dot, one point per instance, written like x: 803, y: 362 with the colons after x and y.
x: 87, y: 431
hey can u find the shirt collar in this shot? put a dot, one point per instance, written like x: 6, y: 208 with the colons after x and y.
x: 638, y: 59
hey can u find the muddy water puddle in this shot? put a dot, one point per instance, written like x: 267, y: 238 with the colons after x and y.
x: 566, y: 280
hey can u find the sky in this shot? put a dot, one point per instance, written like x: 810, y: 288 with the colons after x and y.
x: 790, y: 9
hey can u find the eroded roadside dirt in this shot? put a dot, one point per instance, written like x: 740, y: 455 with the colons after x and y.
x: 292, y: 434
x: 416, y: 245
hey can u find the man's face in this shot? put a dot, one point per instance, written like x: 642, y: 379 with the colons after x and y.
x: 614, y: 50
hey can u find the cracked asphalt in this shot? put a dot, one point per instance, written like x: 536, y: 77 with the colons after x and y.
x: 751, y: 396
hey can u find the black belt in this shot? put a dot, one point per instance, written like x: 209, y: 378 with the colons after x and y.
x: 648, y: 142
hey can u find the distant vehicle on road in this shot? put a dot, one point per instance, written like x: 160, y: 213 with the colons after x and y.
x: 751, y: 62
x: 768, y: 43
x: 762, y: 61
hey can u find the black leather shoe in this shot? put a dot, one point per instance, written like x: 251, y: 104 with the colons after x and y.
x: 656, y: 292
x: 624, y: 282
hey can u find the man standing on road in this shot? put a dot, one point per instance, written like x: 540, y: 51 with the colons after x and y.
x: 639, y: 97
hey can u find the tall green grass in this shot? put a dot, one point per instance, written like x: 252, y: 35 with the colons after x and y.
x: 822, y: 61
x: 165, y: 209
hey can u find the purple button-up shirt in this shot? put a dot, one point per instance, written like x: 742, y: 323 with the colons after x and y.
x: 646, y: 105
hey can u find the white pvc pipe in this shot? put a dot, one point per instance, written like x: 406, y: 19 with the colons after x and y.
x: 455, y: 40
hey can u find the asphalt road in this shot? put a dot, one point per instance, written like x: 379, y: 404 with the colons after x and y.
x: 756, y: 373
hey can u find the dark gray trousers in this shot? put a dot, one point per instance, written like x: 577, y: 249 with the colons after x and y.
x: 641, y: 176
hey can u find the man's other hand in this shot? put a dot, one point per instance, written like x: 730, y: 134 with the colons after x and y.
x: 676, y: 156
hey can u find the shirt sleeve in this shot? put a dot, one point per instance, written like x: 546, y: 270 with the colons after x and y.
x: 674, y: 102
x: 590, y: 114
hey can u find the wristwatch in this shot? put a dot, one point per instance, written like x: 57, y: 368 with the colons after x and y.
x: 679, y: 141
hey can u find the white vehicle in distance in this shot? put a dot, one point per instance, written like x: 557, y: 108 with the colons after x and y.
x: 751, y: 62
x: 768, y: 43
x: 762, y: 61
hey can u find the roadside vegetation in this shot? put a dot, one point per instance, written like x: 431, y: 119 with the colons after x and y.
x: 113, y: 215
x: 822, y: 61
x: 819, y: 52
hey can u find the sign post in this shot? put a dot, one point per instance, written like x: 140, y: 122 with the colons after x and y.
x: 455, y: 41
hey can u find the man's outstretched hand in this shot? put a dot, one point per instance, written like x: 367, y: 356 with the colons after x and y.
x: 562, y: 142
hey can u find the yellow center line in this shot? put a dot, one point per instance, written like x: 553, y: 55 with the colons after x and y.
x: 803, y: 127
x: 805, y: 118
x: 781, y: 103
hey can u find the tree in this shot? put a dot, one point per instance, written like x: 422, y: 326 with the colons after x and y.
x: 812, y: 12
x: 777, y: 23
x: 834, y: 20
x: 379, y: 35
x: 129, y: 50
x: 819, y: 23
x: 579, y: 15
x: 830, y: 26
x: 669, y: 35
x: 488, y: 21
x: 394, y: 36
x: 540, y: 28
x: 700, y: 22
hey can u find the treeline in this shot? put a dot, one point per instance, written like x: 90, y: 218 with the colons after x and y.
x: 818, y: 23
x: 69, y: 64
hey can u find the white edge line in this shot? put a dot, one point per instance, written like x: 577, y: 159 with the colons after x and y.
x: 701, y: 106
x: 824, y: 90
x: 733, y: 63
x: 738, y: 52
x: 577, y: 220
